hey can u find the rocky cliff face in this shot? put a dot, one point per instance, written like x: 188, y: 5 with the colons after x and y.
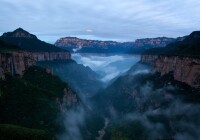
x: 184, y: 69
x: 15, y: 63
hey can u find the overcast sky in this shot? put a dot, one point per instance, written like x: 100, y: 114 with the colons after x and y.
x: 120, y: 20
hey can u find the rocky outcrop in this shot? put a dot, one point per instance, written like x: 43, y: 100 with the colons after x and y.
x: 15, y: 63
x: 185, y: 69
x: 49, y: 56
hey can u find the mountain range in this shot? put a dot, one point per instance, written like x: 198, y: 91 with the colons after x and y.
x: 74, y: 44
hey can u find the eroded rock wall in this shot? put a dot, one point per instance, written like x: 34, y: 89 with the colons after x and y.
x: 184, y: 69
x: 15, y: 63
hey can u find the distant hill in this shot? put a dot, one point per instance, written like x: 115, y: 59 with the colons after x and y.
x: 74, y: 44
x: 28, y: 42
x: 189, y: 46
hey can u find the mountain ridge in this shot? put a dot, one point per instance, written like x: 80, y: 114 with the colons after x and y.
x: 75, y: 44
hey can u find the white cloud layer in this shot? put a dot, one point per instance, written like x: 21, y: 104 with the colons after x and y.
x: 103, y: 19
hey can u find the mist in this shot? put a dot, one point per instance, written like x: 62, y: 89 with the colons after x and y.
x: 108, y: 66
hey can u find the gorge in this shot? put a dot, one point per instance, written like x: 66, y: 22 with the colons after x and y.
x: 104, y: 96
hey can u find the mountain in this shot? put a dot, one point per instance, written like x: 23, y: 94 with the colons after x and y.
x: 41, y: 50
x: 28, y: 42
x: 92, y: 46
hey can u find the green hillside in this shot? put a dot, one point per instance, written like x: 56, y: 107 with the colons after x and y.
x: 30, y: 102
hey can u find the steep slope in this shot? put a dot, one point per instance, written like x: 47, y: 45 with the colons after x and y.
x: 6, y: 47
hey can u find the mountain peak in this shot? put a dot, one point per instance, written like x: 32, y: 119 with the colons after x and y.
x: 195, y: 34
x: 19, y: 33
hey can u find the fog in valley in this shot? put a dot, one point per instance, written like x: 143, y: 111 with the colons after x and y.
x: 108, y: 66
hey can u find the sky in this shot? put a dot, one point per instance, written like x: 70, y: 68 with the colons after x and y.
x: 119, y: 20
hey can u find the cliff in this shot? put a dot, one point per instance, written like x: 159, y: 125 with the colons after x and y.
x: 185, y: 69
x: 15, y: 63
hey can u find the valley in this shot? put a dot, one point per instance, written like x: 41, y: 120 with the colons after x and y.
x: 55, y: 94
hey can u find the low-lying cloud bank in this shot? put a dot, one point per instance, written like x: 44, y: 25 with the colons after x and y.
x: 107, y: 66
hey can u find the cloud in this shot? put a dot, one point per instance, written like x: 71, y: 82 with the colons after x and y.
x: 105, y: 19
